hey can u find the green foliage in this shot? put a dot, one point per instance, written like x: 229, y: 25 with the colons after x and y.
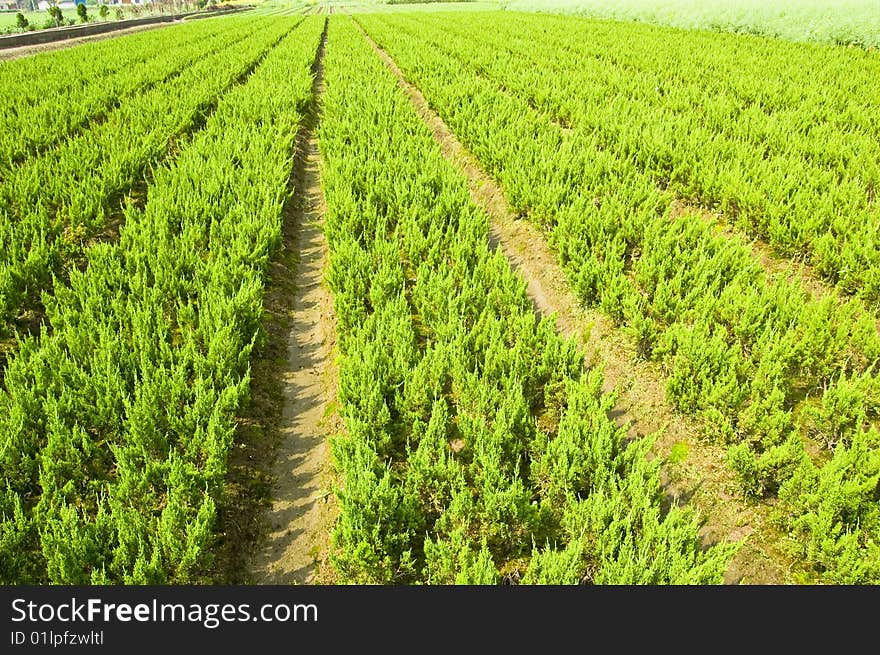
x: 65, y: 179
x: 678, y: 453
x: 21, y: 22
x: 103, y: 11
x: 454, y: 561
x: 837, y: 519
x: 55, y: 15
x: 82, y: 12
x: 619, y: 150
x: 847, y: 408
x: 448, y: 476
x: 477, y: 446
x: 119, y: 422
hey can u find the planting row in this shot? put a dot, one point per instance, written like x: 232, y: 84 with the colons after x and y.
x: 117, y: 426
x: 779, y: 138
x: 478, y: 447
x: 49, y: 97
x: 766, y: 365
x: 53, y: 205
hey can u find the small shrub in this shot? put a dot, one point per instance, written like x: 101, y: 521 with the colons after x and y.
x: 82, y: 12
x: 742, y: 461
x: 20, y: 21
x: 678, y: 453
x: 56, y: 16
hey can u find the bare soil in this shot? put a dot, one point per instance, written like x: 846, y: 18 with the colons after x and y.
x: 303, y: 507
x: 701, y: 479
x: 281, y: 506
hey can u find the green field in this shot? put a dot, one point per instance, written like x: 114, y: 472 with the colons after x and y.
x: 605, y: 303
x: 843, y: 21
x: 36, y: 18
x: 40, y: 19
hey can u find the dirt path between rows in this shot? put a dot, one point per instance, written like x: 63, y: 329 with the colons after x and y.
x: 279, y: 507
x: 302, y: 509
x: 701, y: 479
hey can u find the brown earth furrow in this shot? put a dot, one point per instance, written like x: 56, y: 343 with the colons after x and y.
x: 301, y: 513
x: 281, y: 507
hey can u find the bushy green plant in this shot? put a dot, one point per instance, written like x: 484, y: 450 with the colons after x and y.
x: 55, y: 15
x: 448, y: 476
x: 638, y: 179
x: 114, y: 475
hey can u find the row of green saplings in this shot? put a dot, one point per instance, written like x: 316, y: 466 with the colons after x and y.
x: 51, y: 208
x: 670, y: 298
x: 119, y: 422
x: 781, y: 157
x: 478, y: 447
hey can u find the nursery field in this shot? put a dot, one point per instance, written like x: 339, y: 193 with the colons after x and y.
x: 443, y: 297
x: 842, y: 22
